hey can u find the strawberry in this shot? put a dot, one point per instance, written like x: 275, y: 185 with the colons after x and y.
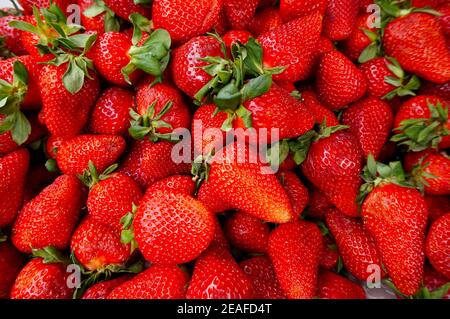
x: 370, y: 120
x: 124, y: 8
x: 290, y: 9
x: 265, y: 20
x: 333, y: 165
x: 97, y: 246
x: 386, y: 79
x: 11, y: 36
x: 185, y: 20
x: 157, y: 282
x: 110, y: 115
x: 38, y: 178
x: 427, y: 3
x: 330, y: 256
x: 13, y: 169
x: 444, y: 20
x: 172, y: 228
x: 241, y: 184
x: 339, y: 81
x: 356, y: 247
x: 11, y: 262
x: 434, y: 282
x: 437, y: 206
x: 239, y: 13
x: 103, y: 150
x: 235, y: 36
x: 247, y: 233
x: 27, y: 5
x: 437, y: 246
x: 292, y: 45
x: 296, y: 191
x: 148, y: 162
x: 53, y: 144
x: 97, y: 17
x: 103, y: 289
x: 396, y: 217
x: 49, y: 219
x: 340, y: 19
x: 422, y: 122
x: 318, y: 204
x: 409, y: 38
x: 319, y: 111
x: 176, y: 183
x: 295, y: 250
x: 441, y: 91
x: 261, y: 273
x: 363, y: 43
x: 44, y: 277
x: 186, y: 63
x: 333, y: 286
x: 218, y: 276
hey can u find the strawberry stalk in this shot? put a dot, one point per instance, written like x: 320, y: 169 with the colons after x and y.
x: 405, y: 85
x: 111, y: 21
x: 91, y: 176
x: 127, y: 235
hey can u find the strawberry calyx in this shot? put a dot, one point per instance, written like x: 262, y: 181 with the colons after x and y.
x: 422, y: 293
x: 419, y: 174
x: 405, y: 85
x: 374, y: 49
x: 235, y: 79
x: 127, y: 234
x: 422, y: 133
x: 201, y: 168
x: 391, y: 10
x: 50, y: 255
x: 111, y: 21
x: 11, y: 96
x: 149, y: 123
x: 91, y: 177
x: 151, y: 55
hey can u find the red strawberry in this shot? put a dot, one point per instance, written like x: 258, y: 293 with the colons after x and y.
x: 318, y: 204
x: 218, y: 276
x: 123, y: 8
x: 27, y: 5
x: 11, y: 36
x: 319, y: 111
x: 103, y: 289
x: 97, y: 245
x: 444, y: 20
x: 409, y: 39
x: 333, y: 286
x: 437, y: 245
x: 13, y: 169
x: 172, y: 228
x: 43, y: 278
x: 176, y: 183
x: 295, y: 250
x: 11, y: 262
x: 38, y: 178
x: 333, y: 165
x: 292, y: 9
x: 49, y: 219
x: 186, y: 64
x: 370, y: 120
x: 330, y: 256
x: 103, y: 150
x: 65, y: 113
x: 356, y: 246
x: 110, y: 114
x: 97, y: 17
x: 243, y: 183
x: 239, y: 13
x: 340, y: 19
x: 437, y: 206
x: 148, y: 162
x: 53, y: 144
x: 434, y: 281
x: 265, y: 20
x: 157, y: 282
x: 247, y: 233
x: 296, y: 191
x: 441, y: 91
x: 292, y: 45
x: 427, y: 3
x: 7, y: 144
x: 362, y: 36
x: 235, y: 36
x: 339, y: 81
x: 261, y: 273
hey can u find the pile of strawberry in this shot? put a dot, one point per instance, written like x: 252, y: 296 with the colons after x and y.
x: 93, y: 204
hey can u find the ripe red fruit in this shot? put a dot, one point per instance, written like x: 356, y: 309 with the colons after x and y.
x: 157, y: 282
x: 358, y: 40
x: 438, y: 246
x: 295, y: 250
x: 296, y: 191
x: 13, y: 170
x: 239, y: 13
x: 49, y: 218
x: 12, y: 36
x: 11, y: 263
x: 27, y: 5
x: 318, y: 204
x: 330, y: 256
x: 437, y: 206
x: 319, y: 111
x: 103, y: 150
x: 333, y: 286
x: 340, y: 19
x: 265, y: 20
x: 176, y: 183
x: 235, y: 36
x: 261, y: 273
x: 93, y: 18
x: 103, y: 289
x: 292, y: 9
x: 123, y: 8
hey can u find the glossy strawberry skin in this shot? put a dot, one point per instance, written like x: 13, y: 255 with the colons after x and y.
x: 103, y: 150
x: 340, y: 18
x: 13, y: 169
x: 41, y: 281
x: 247, y: 233
x: 441, y: 91
x: 319, y: 111
x: 27, y: 5
x: 176, y: 183
x: 296, y: 191
x: 357, y: 41
x: 318, y: 204
x: 265, y: 20
x: 110, y: 114
x: 435, y: 164
x: 186, y: 67
x: 49, y: 219
x: 97, y: 23
x: 333, y: 165
x: 157, y: 282
x: 11, y: 263
x: 376, y: 71
x: 437, y: 245
x: 12, y: 36
x: 235, y: 36
x: 65, y: 114
x: 261, y: 273
x: 396, y: 218
x: 103, y: 289
x: 333, y: 286
x: 292, y: 45
x: 123, y: 8
x: 239, y: 13
x: 295, y: 250
x: 409, y: 40
x: 292, y: 9
x: 356, y: 247
x: 185, y: 20
x: 371, y: 121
